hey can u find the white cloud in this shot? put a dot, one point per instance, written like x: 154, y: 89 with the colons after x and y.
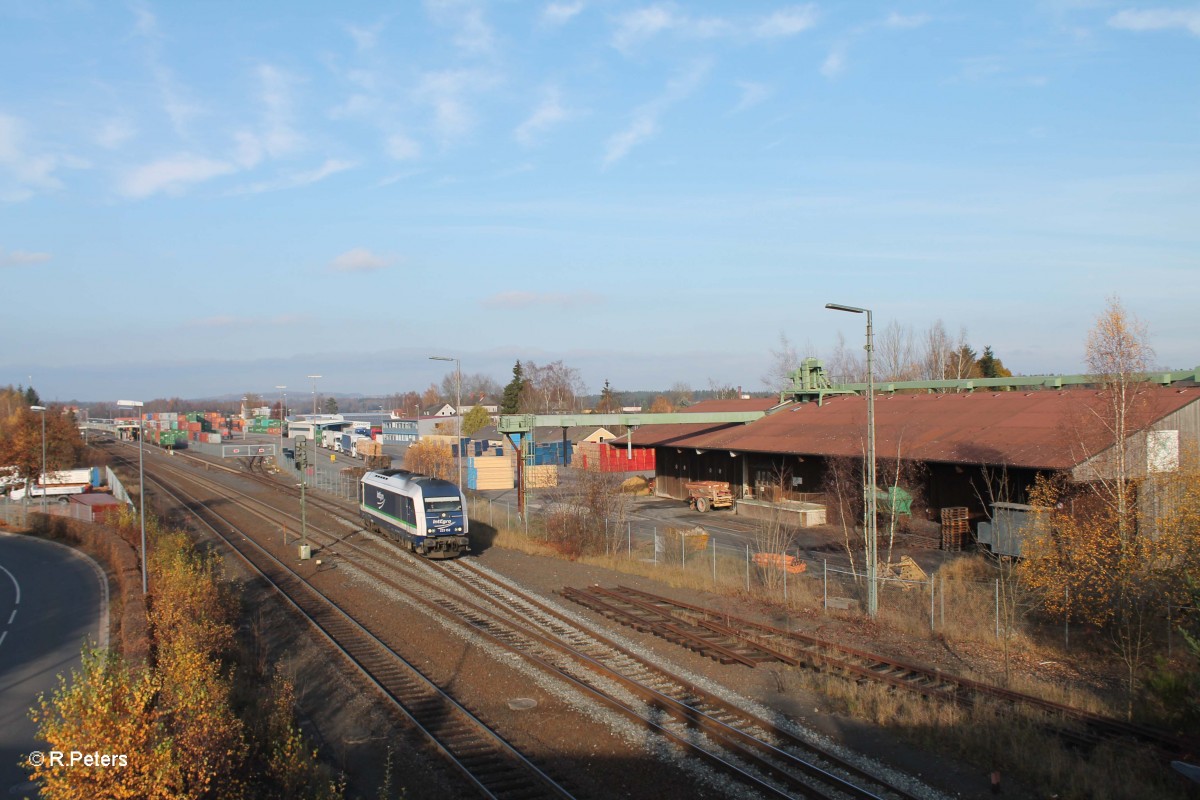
x: 752, y: 94
x: 20, y: 258
x: 114, y: 133
x: 521, y: 300
x: 365, y: 38
x: 172, y: 175
x: 643, y: 126
x: 178, y: 108
x: 834, y: 63
x: 788, y: 22
x: 637, y: 26
x: 1157, y: 19
x: 295, y: 180
x: 907, y: 21
x: 556, y: 14
x: 550, y: 112
x: 472, y: 33
x: 359, y: 260
x: 279, y: 136
x: 447, y: 93
x: 401, y: 148
x: 22, y: 171
x: 645, y: 122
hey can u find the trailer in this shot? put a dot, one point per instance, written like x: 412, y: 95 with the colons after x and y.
x: 705, y: 495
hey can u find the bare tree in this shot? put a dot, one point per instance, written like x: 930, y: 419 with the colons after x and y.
x: 845, y: 364
x: 681, y: 394
x: 895, y: 353
x: 784, y: 361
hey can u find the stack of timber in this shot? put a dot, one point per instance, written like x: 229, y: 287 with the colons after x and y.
x: 492, y: 471
x: 956, y: 525
x: 541, y: 477
x: 368, y: 447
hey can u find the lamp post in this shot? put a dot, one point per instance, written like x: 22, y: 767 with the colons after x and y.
x: 870, y: 520
x: 314, y: 380
x: 457, y: 407
x: 141, y: 477
x: 42, y: 409
x: 282, y: 419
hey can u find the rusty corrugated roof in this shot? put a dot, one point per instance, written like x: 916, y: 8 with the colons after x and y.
x: 1043, y: 429
x: 652, y: 435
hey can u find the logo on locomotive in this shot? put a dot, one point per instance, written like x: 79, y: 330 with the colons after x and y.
x: 379, y: 499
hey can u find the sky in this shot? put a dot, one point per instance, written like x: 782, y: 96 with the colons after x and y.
x: 199, y: 199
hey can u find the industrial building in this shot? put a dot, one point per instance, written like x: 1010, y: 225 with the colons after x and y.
x: 967, y: 449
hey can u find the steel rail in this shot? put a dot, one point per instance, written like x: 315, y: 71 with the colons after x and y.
x: 480, y: 754
x: 705, y: 712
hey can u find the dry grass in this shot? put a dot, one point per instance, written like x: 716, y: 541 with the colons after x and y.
x: 992, y: 737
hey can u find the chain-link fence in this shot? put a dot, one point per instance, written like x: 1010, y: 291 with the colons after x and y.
x: 689, y: 555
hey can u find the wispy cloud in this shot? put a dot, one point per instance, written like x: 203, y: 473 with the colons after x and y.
x: 752, y: 94
x: 556, y: 14
x: 906, y: 21
x: 276, y: 135
x: 549, y: 113
x: 114, y: 133
x: 359, y: 259
x: 176, y: 105
x: 23, y: 172
x: 21, y: 258
x: 834, y: 63
x: 447, y: 93
x: 1157, y: 19
x: 645, y: 121
x: 522, y: 300
x: 296, y: 180
x: 638, y: 26
x: 366, y: 37
x: 472, y: 33
x: 787, y: 22
x: 402, y: 148
x: 172, y: 175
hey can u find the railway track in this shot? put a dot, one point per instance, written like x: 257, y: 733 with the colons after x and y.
x: 716, y: 633
x: 481, y: 756
x: 759, y: 754
x: 732, y: 640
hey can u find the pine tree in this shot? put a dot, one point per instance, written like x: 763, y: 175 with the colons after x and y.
x: 512, y: 392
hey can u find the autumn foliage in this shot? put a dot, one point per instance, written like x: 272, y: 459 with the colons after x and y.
x: 431, y: 457
x: 175, y: 719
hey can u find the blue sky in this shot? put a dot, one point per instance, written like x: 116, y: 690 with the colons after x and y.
x: 201, y: 198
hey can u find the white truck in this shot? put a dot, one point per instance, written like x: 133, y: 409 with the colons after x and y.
x: 59, y: 484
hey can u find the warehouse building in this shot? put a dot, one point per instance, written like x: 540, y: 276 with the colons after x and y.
x: 955, y: 450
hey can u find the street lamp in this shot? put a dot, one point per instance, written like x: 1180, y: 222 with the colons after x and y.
x: 282, y: 419
x: 141, y: 477
x: 457, y: 407
x: 314, y: 380
x: 870, y: 520
x: 244, y: 399
x: 42, y: 409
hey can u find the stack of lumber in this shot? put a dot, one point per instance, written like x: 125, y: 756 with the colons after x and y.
x: 541, y: 477
x: 491, y: 472
x: 956, y: 526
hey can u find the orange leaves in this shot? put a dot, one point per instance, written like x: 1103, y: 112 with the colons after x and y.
x: 433, y: 458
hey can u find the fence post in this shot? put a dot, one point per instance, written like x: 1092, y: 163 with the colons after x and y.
x: 1168, y: 627
x: 997, y: 608
x: 682, y: 551
x: 629, y: 533
x: 714, y: 544
x: 607, y: 543
x: 785, y: 572
x: 825, y: 582
x: 747, y: 569
x: 931, y: 621
x: 654, y: 546
x: 942, y: 603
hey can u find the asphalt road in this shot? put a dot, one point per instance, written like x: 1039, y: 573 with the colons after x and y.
x: 52, y: 599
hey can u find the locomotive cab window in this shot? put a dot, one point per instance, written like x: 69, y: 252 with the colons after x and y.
x: 438, y: 505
